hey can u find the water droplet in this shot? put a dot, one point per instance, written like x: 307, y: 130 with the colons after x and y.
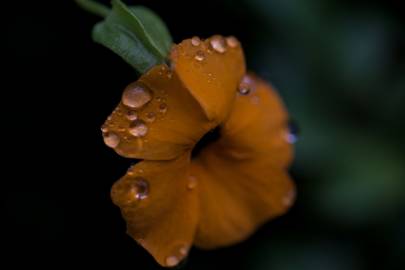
x: 192, y: 182
x: 111, y: 139
x: 196, y: 41
x: 288, y: 199
x: 199, y: 56
x: 218, y: 44
x: 245, y: 86
x: 138, y: 128
x: 172, y: 261
x: 135, y: 96
x: 183, y: 250
x: 139, y: 188
x: 293, y: 132
x: 130, y: 171
x: 163, y: 108
x: 150, y: 116
x: 244, y: 89
x: 132, y: 115
x: 104, y: 128
x: 232, y: 42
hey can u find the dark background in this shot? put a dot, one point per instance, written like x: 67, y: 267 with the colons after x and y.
x: 340, y: 67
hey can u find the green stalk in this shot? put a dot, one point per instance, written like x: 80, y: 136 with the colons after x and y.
x: 94, y: 7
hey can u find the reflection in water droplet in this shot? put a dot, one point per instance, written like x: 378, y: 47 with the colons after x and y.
x: 293, y: 132
x: 163, y: 107
x: 132, y: 115
x: 199, y: 56
x: 192, y: 182
x: 135, y: 96
x: 111, y: 139
x: 150, y: 116
x: 232, y: 42
x: 218, y: 44
x: 172, y: 261
x: 195, y: 41
x: 138, y: 128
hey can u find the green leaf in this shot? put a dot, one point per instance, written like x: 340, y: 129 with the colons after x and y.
x: 136, y: 34
x: 155, y: 27
x: 126, y: 44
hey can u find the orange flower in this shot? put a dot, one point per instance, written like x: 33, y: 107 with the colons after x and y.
x: 219, y: 197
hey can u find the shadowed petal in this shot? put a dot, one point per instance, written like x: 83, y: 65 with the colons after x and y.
x: 242, y: 177
x: 160, y: 211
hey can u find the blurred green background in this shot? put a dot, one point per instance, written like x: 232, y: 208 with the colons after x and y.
x: 340, y: 68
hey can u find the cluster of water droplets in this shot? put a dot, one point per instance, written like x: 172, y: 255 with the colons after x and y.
x: 135, y: 98
x: 180, y: 252
x: 217, y: 44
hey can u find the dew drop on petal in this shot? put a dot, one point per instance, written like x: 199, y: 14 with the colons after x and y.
x: 244, y: 89
x: 245, y: 86
x: 199, y: 56
x: 163, y: 108
x: 232, y: 42
x: 136, y: 96
x: 140, y: 188
x: 172, y: 261
x: 218, y: 44
x: 111, y: 139
x: 138, y: 128
x: 183, y: 250
x: 288, y: 199
x: 150, y: 116
x: 196, y: 41
x: 293, y: 132
x: 132, y: 115
x: 192, y: 182
x: 104, y: 128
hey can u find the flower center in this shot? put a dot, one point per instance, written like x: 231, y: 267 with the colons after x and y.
x: 209, y: 138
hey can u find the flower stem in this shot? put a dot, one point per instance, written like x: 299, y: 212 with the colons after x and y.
x: 94, y: 7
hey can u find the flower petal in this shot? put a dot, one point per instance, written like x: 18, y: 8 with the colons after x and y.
x: 242, y: 177
x: 166, y: 126
x: 258, y: 125
x: 160, y: 211
x: 211, y: 70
